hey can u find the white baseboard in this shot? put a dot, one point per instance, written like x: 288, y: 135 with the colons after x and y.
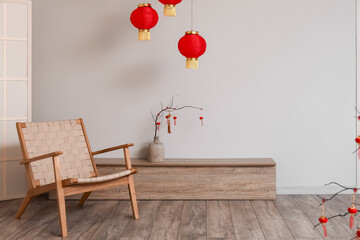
x: 281, y: 190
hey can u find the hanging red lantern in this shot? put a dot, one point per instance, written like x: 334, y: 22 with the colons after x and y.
x: 352, y: 210
x: 201, y: 119
x: 192, y: 46
x: 169, y: 7
x: 158, y: 125
x: 144, y: 18
x: 175, y: 117
x: 323, y: 220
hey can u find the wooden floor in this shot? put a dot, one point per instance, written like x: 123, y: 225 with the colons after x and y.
x: 287, y: 217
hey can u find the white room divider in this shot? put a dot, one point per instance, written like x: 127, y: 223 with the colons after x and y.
x: 15, y: 92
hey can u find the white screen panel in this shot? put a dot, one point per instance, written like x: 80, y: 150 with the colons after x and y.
x: 1, y: 19
x: 1, y: 100
x: 16, y: 99
x: 2, y: 58
x: 16, y: 178
x: 16, y: 20
x: 16, y: 59
x: 13, y: 150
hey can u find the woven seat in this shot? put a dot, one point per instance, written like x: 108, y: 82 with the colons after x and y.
x: 103, y: 178
x: 57, y: 156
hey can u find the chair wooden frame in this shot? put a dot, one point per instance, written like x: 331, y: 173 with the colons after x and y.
x: 68, y: 186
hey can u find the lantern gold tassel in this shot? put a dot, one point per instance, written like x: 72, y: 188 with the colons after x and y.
x: 169, y: 10
x: 192, y: 63
x: 144, y: 34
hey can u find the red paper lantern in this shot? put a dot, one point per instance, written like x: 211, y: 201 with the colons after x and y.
x: 192, y: 46
x: 144, y: 18
x: 169, y: 7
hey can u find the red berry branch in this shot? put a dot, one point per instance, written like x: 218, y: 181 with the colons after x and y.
x: 158, y: 118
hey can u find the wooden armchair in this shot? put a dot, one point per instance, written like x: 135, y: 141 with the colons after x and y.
x: 57, y: 155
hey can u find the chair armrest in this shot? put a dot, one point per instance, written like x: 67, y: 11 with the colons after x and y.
x: 113, y: 148
x: 48, y: 155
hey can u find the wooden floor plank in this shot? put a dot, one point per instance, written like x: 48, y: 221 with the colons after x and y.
x: 193, y: 221
x: 311, y: 208
x: 114, y: 225
x: 246, y: 225
x: 298, y: 223
x: 9, y: 208
x: 141, y: 228
x: 219, y: 224
x: 271, y: 222
x: 10, y: 225
x: 74, y: 214
x: 95, y: 216
x: 167, y: 222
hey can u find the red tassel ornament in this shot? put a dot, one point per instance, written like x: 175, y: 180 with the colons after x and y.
x: 201, y: 119
x: 175, y: 117
x: 323, y: 220
x: 158, y: 125
x: 169, y: 7
x: 144, y: 18
x: 192, y: 46
x: 352, y: 210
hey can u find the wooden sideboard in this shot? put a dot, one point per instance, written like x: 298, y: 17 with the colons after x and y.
x: 242, y: 178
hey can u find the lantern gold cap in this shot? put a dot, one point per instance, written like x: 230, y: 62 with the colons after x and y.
x: 144, y: 5
x: 144, y: 34
x: 192, y: 63
x: 169, y: 10
x: 192, y: 32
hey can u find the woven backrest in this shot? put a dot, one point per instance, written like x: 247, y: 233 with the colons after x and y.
x: 66, y: 136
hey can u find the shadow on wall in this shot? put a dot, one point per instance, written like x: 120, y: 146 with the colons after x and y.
x: 143, y: 74
x: 106, y: 35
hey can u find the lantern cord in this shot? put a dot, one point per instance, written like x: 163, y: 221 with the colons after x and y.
x: 192, y: 15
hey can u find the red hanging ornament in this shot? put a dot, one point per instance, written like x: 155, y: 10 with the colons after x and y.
x: 144, y: 18
x: 175, y: 117
x: 323, y: 220
x: 201, y: 119
x: 352, y: 210
x: 158, y: 126
x: 169, y: 7
x: 358, y: 234
x: 168, y: 122
x: 192, y: 46
x: 357, y: 140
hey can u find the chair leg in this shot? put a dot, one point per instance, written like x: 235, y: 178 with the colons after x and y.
x: 23, y: 206
x: 133, y: 197
x: 83, y: 198
x: 62, y: 211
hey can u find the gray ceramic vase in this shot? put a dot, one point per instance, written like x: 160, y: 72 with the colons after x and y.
x: 156, y: 151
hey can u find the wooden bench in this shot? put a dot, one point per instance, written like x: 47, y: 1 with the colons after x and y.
x: 241, y: 178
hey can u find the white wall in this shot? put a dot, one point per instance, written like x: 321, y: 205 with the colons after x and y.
x: 277, y: 80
